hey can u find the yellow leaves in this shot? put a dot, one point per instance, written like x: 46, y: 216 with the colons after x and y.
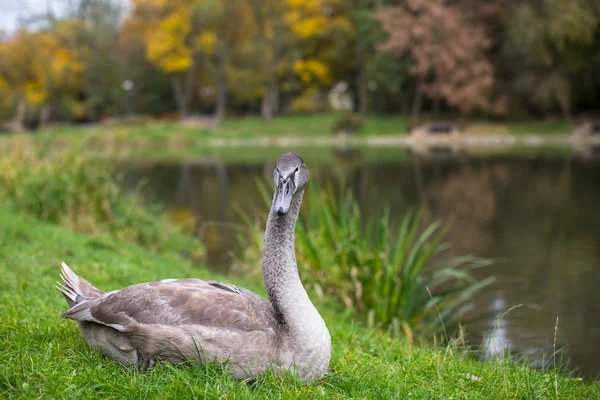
x: 171, y: 59
x: 308, y: 18
x: 309, y: 69
x: 57, y: 63
x: 45, y: 65
x: 308, y: 27
x: 166, y: 45
x: 292, y: 17
x: 342, y: 23
x: 177, y: 23
x: 151, y: 3
x: 268, y: 31
x: 35, y: 93
x: 307, y: 5
x: 206, y: 41
x: 172, y: 41
x: 65, y: 63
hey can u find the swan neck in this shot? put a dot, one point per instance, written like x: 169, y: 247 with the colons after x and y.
x: 305, y: 330
x: 280, y: 271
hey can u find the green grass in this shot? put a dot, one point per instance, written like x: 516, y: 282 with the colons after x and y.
x: 545, y: 127
x: 86, y: 195
x: 297, y: 126
x: 315, y: 125
x: 147, y: 139
x: 44, y: 357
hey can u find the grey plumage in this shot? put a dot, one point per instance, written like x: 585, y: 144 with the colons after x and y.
x: 207, y: 321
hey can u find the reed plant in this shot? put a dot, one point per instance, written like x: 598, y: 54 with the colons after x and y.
x: 88, y: 196
x: 399, y: 278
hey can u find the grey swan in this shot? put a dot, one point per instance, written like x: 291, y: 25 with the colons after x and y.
x: 205, y: 321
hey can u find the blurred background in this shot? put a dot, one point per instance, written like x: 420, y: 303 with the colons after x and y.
x: 86, y: 60
x: 482, y: 114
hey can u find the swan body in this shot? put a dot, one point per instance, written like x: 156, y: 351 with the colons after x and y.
x: 178, y: 320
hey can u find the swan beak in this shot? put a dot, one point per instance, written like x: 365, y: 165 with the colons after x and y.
x: 283, y: 197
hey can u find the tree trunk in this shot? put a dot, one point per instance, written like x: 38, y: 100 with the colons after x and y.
x: 44, y: 115
x: 265, y: 106
x: 182, y: 104
x: 416, y: 106
x: 564, y: 101
x: 403, y: 104
x: 221, y: 86
x: 20, y: 118
x: 436, y: 105
x: 363, y: 94
x: 184, y: 86
x: 261, y: 16
x: 275, y: 100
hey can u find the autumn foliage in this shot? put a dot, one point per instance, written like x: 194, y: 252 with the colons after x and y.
x: 497, y: 57
x: 449, y: 45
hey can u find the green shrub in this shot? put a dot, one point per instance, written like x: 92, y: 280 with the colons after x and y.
x: 389, y: 277
x: 309, y: 102
x: 88, y: 196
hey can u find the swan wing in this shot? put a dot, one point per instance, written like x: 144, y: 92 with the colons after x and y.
x: 183, y: 302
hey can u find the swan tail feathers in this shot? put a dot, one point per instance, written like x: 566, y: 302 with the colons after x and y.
x: 75, y: 288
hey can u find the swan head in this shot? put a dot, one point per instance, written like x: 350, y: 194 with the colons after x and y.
x: 290, y: 176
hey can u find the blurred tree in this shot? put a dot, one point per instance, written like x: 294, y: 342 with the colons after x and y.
x: 105, y: 71
x: 43, y: 68
x: 64, y: 51
x: 16, y: 72
x: 380, y: 73
x: 273, y: 50
x: 324, y: 37
x: 153, y: 90
x: 535, y: 57
x: 176, y: 37
x: 546, y: 45
x: 235, y: 29
x: 448, y: 45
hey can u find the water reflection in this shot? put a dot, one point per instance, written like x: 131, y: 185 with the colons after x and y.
x: 537, y: 215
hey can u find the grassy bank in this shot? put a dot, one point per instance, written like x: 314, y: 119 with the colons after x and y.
x: 44, y: 356
x: 88, y: 196
x: 64, y: 208
x: 145, y: 138
x: 306, y: 126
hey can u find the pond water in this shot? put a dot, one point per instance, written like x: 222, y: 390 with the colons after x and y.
x: 538, y: 215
